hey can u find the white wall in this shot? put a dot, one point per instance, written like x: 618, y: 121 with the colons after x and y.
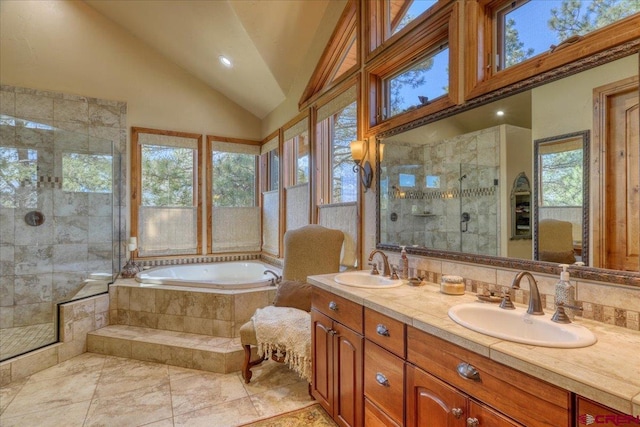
x: 68, y: 47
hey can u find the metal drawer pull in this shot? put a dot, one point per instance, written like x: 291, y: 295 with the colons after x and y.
x: 333, y: 306
x: 382, y: 330
x: 468, y: 372
x: 457, y: 412
x: 382, y: 380
x: 472, y: 422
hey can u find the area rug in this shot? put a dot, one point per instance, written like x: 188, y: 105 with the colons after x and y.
x: 311, y: 416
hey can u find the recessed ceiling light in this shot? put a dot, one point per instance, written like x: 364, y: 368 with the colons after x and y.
x: 499, y: 113
x: 225, y: 61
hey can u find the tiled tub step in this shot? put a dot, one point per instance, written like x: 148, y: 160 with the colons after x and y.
x: 194, y: 351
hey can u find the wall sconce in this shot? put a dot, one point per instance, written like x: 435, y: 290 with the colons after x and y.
x: 359, y: 150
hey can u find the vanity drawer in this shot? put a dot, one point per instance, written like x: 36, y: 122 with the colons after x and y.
x: 338, y: 308
x: 385, y: 331
x: 528, y: 400
x: 384, y: 380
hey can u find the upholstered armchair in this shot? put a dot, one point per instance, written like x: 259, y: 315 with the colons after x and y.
x: 308, y: 250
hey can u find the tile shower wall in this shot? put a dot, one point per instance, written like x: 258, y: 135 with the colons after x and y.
x: 43, y: 265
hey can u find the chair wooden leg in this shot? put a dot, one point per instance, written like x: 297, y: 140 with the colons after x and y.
x: 248, y: 364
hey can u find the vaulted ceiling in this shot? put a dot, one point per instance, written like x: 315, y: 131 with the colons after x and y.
x: 267, y: 40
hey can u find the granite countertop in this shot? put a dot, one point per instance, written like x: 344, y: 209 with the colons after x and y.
x: 607, y: 372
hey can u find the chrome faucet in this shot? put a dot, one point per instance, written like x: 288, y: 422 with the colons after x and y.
x: 535, y: 305
x: 385, y: 261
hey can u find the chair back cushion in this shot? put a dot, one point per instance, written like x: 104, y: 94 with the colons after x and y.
x: 294, y: 294
x: 309, y: 250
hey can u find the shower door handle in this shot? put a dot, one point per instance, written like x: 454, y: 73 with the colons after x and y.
x: 464, y: 221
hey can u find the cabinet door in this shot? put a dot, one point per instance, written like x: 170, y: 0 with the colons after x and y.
x: 322, y: 347
x: 486, y: 417
x: 384, y: 380
x: 432, y: 403
x: 347, y: 380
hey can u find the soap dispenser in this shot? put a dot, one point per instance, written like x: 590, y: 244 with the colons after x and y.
x: 404, y: 275
x: 565, y: 291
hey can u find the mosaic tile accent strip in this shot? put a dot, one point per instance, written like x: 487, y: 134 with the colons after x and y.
x: 197, y: 260
x: 396, y: 193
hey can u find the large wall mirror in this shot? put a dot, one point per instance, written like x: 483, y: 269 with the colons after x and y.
x: 455, y: 186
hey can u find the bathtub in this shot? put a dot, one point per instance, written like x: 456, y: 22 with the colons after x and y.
x: 219, y: 275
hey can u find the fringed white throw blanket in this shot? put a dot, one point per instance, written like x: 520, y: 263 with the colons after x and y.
x: 285, y: 329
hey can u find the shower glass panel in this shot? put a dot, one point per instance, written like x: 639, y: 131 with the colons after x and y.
x: 56, y: 227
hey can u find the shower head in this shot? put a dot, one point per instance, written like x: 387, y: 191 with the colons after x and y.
x: 462, y: 177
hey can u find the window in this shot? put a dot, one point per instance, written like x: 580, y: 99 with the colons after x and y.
x: 273, y: 169
x: 234, y: 179
x: 402, y: 12
x: 528, y: 28
x: 344, y: 129
x: 418, y: 85
x: 232, y: 172
x: 561, y: 177
x: 166, y: 209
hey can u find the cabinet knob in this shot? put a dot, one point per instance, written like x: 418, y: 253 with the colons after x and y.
x: 472, y: 422
x: 332, y: 332
x: 468, y: 372
x: 457, y: 412
x: 382, y: 330
x: 382, y: 380
x: 333, y: 306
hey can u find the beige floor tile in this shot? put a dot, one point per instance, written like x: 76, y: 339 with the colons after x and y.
x: 226, y: 414
x: 52, y: 393
x: 282, y: 399
x: 207, y: 389
x: 162, y: 423
x: 122, y: 375
x: 8, y: 392
x: 86, y: 362
x: 131, y: 408
x: 68, y: 416
x: 269, y: 375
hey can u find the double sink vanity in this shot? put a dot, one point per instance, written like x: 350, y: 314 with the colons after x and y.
x: 389, y: 354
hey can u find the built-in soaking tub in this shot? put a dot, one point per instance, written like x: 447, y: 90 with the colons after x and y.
x: 219, y: 275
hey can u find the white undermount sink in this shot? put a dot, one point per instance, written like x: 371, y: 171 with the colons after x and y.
x: 364, y: 279
x: 518, y: 326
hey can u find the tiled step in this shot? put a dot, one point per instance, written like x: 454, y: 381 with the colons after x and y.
x: 194, y: 351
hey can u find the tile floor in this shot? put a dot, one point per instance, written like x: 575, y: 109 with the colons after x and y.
x: 99, y: 390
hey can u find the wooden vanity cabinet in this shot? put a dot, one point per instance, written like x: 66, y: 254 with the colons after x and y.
x: 337, y: 346
x: 433, y: 403
x: 494, y: 390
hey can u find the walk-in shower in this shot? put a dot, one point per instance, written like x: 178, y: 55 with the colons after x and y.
x: 57, y: 227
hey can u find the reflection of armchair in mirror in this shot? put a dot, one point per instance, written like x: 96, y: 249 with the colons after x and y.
x: 561, y: 198
x: 555, y: 241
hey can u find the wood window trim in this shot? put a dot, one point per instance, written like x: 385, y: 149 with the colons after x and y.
x: 136, y: 180
x: 377, y: 26
x: 209, y: 179
x: 440, y: 28
x: 481, y: 77
x: 290, y: 154
x: 335, y: 50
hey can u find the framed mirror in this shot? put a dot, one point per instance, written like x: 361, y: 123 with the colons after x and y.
x: 561, y: 198
x: 465, y: 160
